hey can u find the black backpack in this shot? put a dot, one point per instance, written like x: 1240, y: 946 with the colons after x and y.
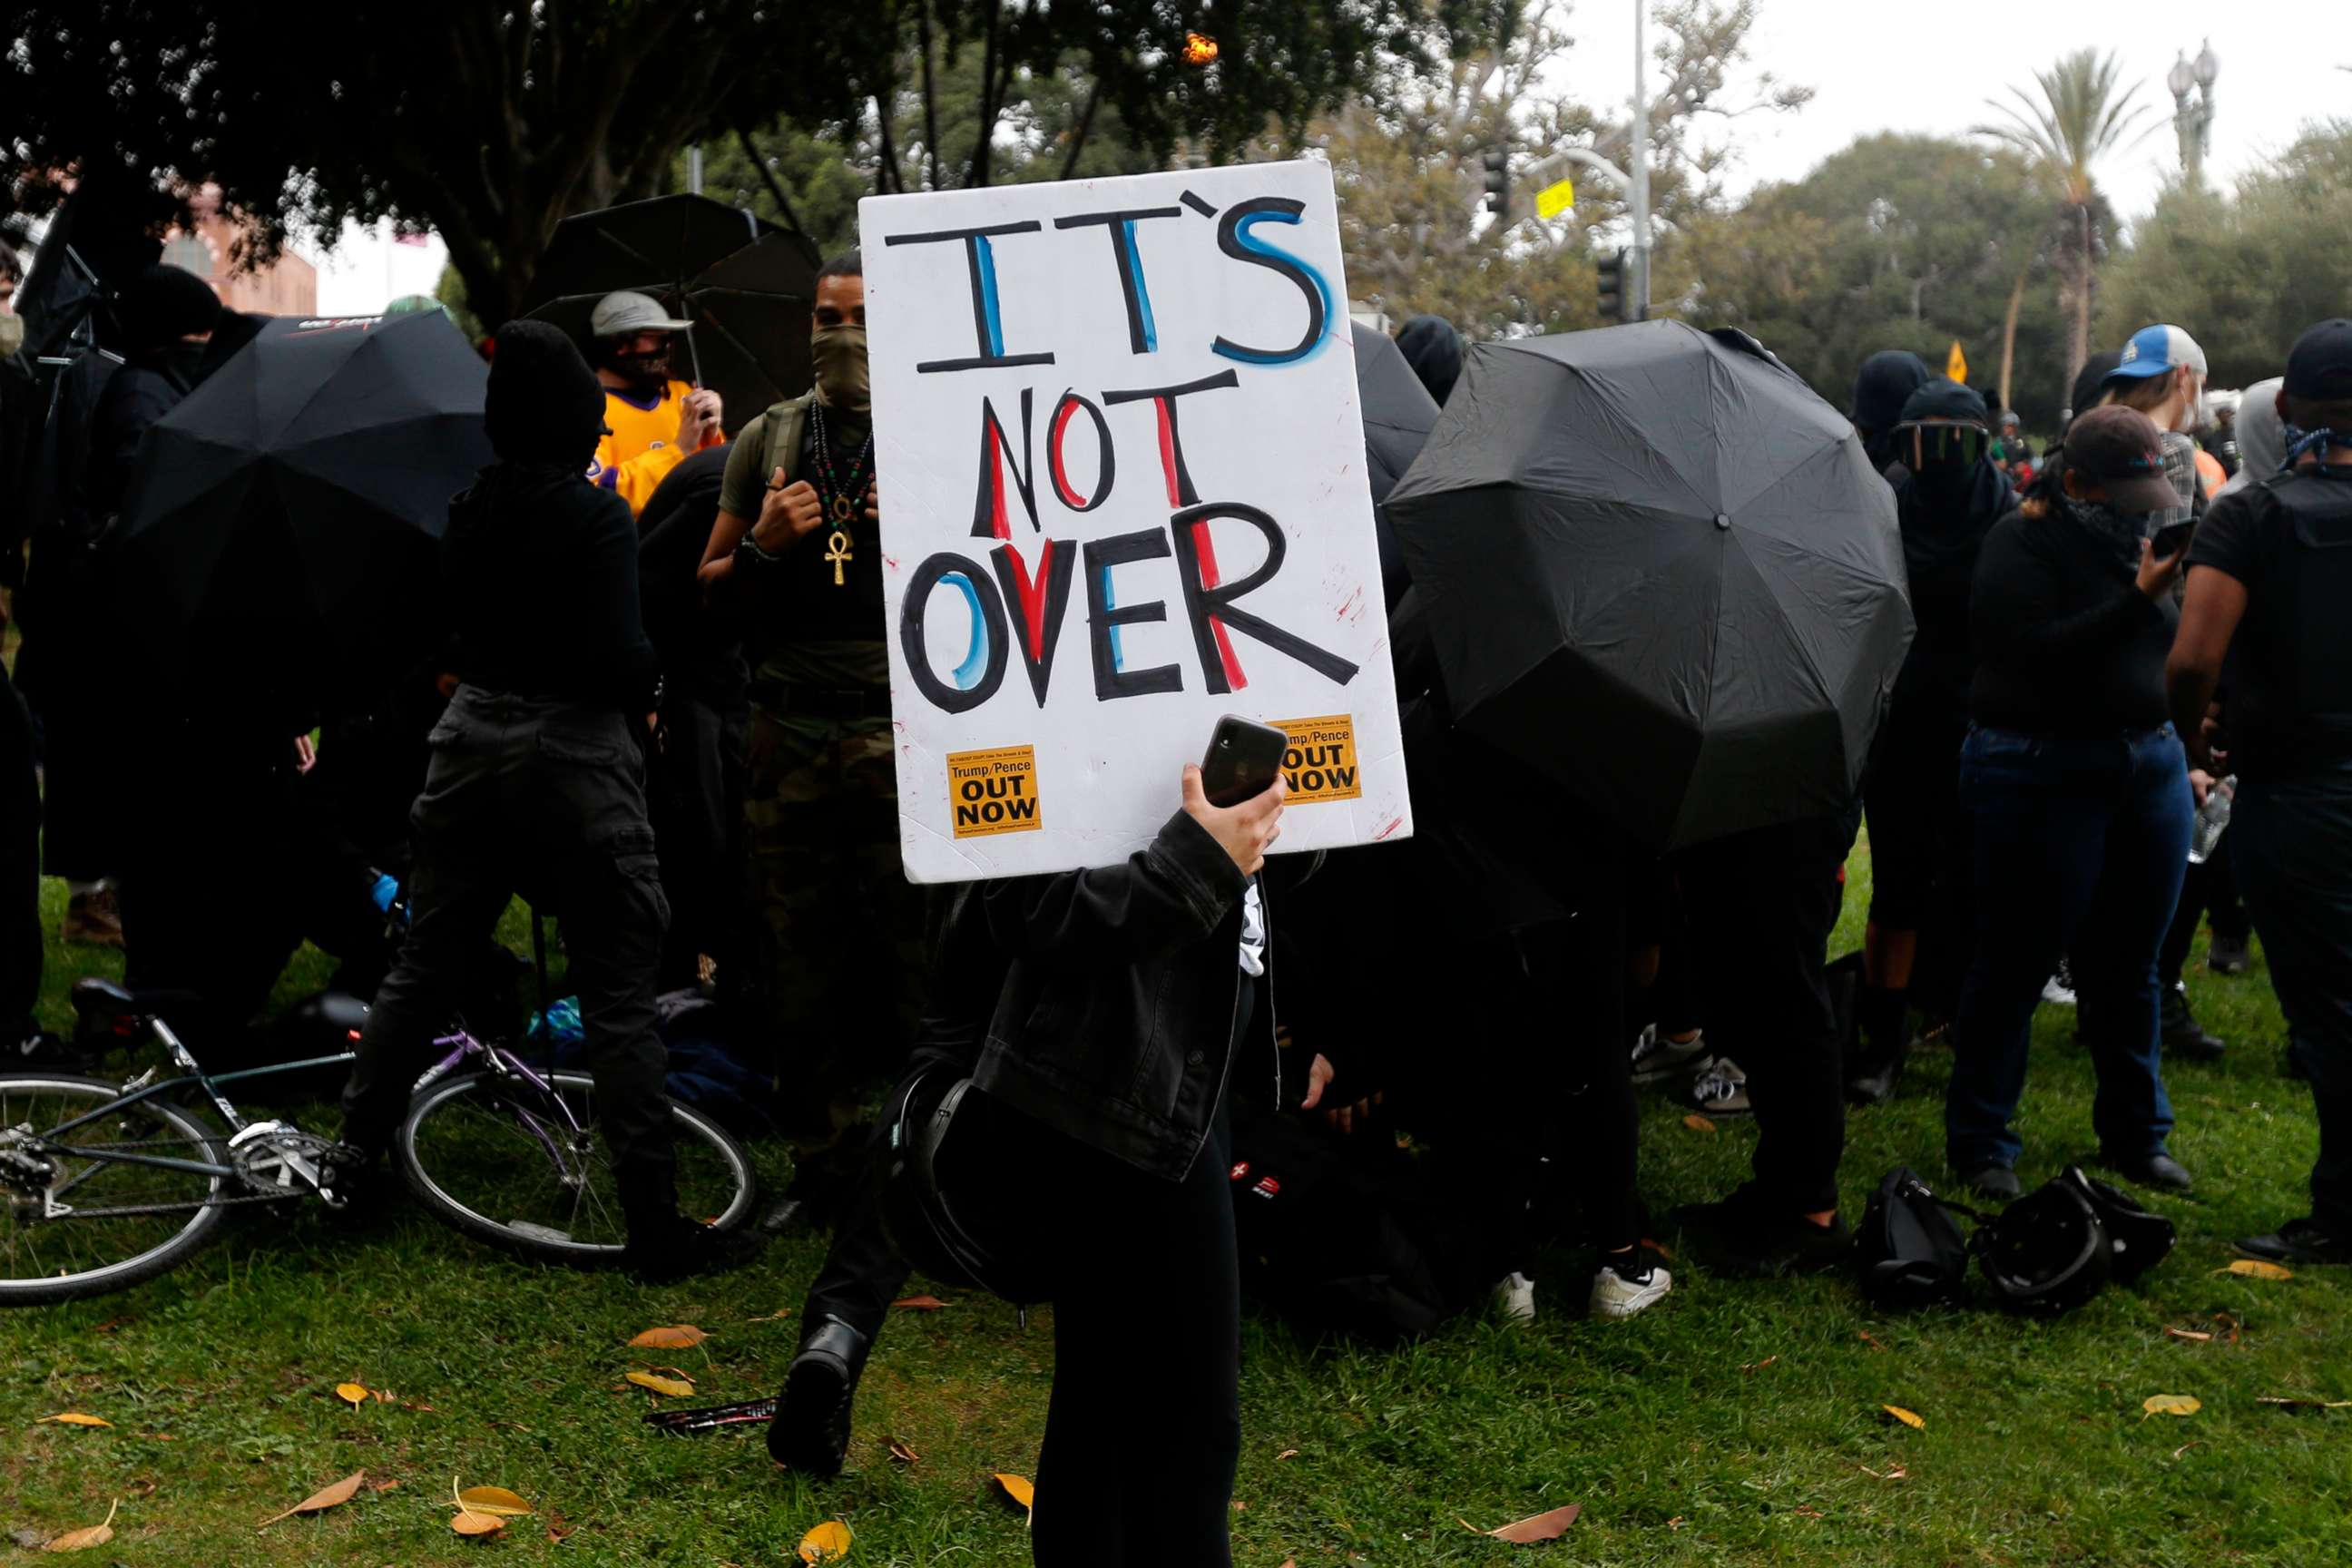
x: 1908, y: 1253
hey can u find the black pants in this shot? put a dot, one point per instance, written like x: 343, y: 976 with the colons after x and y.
x: 1761, y: 906
x: 695, y: 801
x: 2210, y: 888
x: 1921, y: 861
x: 546, y: 799
x: 20, y: 870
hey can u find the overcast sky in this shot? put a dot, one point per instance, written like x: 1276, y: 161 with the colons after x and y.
x: 1873, y: 67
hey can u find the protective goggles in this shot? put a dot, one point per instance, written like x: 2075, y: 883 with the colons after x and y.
x: 1946, y: 442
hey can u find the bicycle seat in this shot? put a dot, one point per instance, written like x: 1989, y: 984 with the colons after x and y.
x: 98, y: 1000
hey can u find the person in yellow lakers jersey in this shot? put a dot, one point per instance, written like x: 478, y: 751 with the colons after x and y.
x: 653, y: 421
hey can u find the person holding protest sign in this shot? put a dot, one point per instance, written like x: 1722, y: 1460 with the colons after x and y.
x: 795, y: 557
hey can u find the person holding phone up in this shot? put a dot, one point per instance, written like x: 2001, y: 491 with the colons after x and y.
x: 1135, y: 1002
x: 2080, y: 797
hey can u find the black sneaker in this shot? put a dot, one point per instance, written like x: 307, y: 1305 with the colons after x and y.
x: 2156, y: 1170
x: 811, y: 1431
x: 2179, y: 1030
x: 2227, y: 956
x: 1997, y: 1183
x: 2297, y: 1241
x: 1736, y: 1235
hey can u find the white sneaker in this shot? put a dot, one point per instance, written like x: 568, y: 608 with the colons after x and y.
x: 1656, y: 1056
x: 2058, y: 989
x: 1514, y: 1298
x: 1616, y: 1295
x: 1721, y: 1089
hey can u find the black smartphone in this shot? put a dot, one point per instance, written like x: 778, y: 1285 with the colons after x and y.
x: 1243, y: 760
x: 2172, y: 539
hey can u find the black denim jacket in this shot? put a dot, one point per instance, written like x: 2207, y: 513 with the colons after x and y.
x: 1115, y: 1024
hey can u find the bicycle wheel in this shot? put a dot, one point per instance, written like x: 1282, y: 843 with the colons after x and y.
x: 497, y: 1158
x: 128, y: 1222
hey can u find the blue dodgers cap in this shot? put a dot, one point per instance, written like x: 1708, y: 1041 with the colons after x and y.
x: 2155, y: 349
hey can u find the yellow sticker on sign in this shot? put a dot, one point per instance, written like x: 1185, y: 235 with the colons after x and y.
x: 1321, y: 764
x: 994, y: 791
x: 1555, y: 199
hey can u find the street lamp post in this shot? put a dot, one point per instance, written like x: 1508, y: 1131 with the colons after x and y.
x: 2193, y: 120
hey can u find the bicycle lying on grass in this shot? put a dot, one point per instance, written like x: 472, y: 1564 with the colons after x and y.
x: 103, y: 1185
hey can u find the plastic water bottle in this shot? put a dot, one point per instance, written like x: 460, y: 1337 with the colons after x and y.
x: 2211, y: 818
x: 387, y: 891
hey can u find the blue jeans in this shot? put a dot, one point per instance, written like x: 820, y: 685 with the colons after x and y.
x: 2290, y: 842
x: 2080, y: 845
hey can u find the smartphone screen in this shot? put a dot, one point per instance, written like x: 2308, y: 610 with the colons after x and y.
x: 1243, y: 760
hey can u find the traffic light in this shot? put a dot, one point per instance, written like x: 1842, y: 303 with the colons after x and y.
x: 1613, y: 298
x: 1498, y: 183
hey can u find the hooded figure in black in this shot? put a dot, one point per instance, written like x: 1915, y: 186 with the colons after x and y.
x: 1433, y: 348
x: 1947, y: 496
x: 537, y: 787
x: 1887, y: 380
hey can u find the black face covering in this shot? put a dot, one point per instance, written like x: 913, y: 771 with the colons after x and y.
x: 181, y: 362
x: 647, y: 373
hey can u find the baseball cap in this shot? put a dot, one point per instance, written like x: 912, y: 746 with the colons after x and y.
x: 2319, y: 366
x: 2152, y: 350
x: 2120, y: 448
x: 619, y: 314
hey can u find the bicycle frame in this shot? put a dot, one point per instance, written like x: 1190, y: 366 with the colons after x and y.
x: 461, y: 1045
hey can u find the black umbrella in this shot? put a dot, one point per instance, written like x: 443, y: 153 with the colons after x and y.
x: 307, y: 480
x: 1659, y: 569
x: 1399, y: 414
x: 747, y: 285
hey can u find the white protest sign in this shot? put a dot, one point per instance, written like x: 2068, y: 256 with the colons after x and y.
x: 1123, y: 492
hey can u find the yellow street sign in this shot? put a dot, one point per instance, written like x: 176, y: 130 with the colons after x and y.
x: 1957, y: 366
x: 1554, y: 200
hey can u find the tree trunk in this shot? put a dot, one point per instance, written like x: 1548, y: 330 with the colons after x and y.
x: 2009, y: 333
x: 1086, y: 124
x: 930, y: 103
x: 2078, y: 346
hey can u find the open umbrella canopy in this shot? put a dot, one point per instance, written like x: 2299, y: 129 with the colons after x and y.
x: 1659, y: 568
x: 747, y: 285
x: 317, y: 465
x: 1399, y: 414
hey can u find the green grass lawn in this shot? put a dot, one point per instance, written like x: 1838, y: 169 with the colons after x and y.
x: 1737, y: 1423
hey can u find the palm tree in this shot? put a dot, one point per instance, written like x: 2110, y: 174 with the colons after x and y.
x: 2078, y: 119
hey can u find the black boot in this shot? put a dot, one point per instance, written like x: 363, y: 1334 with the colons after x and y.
x: 811, y: 1431
x: 2178, y: 1030
x: 665, y: 1245
x: 1883, y: 1019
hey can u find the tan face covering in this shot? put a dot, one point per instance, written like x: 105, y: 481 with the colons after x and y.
x: 12, y: 333
x: 840, y: 355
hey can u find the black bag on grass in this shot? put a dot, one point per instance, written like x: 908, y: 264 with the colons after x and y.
x: 1908, y: 1253
x: 2047, y: 1253
x: 2137, y: 1238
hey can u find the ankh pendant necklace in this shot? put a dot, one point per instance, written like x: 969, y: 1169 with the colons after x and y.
x: 838, y: 495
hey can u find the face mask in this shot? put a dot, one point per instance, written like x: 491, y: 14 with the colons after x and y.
x: 12, y: 333
x: 646, y: 373
x: 840, y: 355
x: 181, y: 362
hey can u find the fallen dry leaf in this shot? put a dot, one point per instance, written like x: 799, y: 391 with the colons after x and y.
x: 771, y: 1316
x: 112, y: 1324
x: 1539, y: 1527
x: 1806, y: 1510
x: 319, y: 1501
x: 1755, y: 1366
x: 828, y: 1543
x: 1908, y: 1417
x: 352, y: 1393
x: 1017, y: 1488
x: 493, y: 1500
x: 557, y: 1526
x: 2304, y: 1404
x: 465, y: 1523
x: 1287, y: 1454
x: 918, y: 1304
x: 392, y: 1485
x: 74, y: 1419
x: 1870, y: 1339
x: 683, y: 1337
x: 2170, y: 1404
x: 2187, y: 1333
x: 659, y: 1385
x: 83, y: 1540
x: 2255, y: 1268
x: 1699, y: 1123
x: 1675, y: 1522
x: 901, y: 1452
x: 2186, y: 1447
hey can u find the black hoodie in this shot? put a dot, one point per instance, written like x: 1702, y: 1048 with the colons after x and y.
x: 1887, y: 381
x: 1945, y: 514
x: 1433, y: 348
x: 541, y: 566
